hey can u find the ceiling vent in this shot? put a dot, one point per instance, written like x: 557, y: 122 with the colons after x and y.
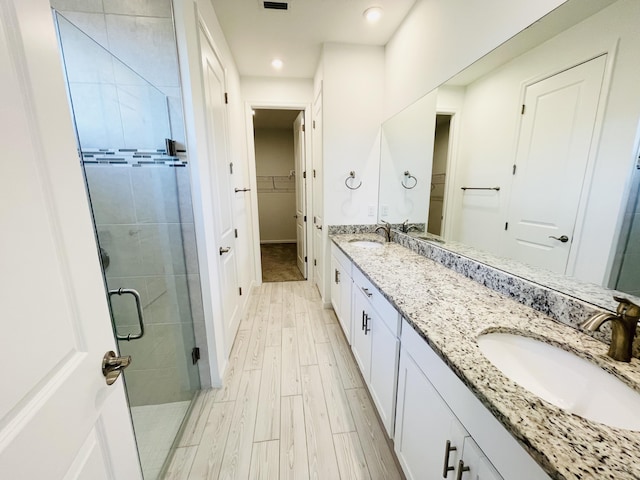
x: 276, y: 5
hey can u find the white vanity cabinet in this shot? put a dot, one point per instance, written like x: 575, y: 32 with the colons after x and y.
x: 435, y: 407
x: 428, y: 437
x: 430, y: 442
x: 375, y: 345
x: 341, y: 289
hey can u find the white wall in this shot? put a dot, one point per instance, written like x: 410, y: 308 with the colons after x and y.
x: 277, y: 91
x: 440, y: 38
x: 276, y: 196
x: 489, y: 129
x: 353, y: 89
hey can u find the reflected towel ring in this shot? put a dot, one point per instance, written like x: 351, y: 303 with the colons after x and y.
x: 408, y: 177
x: 352, y: 176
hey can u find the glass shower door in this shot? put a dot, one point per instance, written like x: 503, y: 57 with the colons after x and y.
x: 140, y: 198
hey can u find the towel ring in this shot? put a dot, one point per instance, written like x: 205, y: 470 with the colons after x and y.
x: 352, y: 176
x: 409, y: 176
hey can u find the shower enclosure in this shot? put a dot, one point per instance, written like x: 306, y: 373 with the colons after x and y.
x: 138, y: 187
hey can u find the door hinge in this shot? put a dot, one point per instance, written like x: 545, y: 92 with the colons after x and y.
x: 231, y: 168
x: 240, y: 290
x: 523, y: 108
x: 314, y: 173
x: 514, y: 170
x: 304, y: 174
x: 226, y: 98
x: 195, y: 355
x: 506, y: 225
x: 314, y: 124
x: 235, y: 232
x: 315, y: 262
x: 303, y: 127
x: 305, y: 218
x: 305, y: 259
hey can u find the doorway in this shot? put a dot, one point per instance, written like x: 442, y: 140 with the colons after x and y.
x: 279, y: 157
x: 439, y: 173
x: 138, y: 184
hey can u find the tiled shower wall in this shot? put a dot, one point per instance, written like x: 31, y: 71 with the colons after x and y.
x: 110, y: 97
x: 145, y: 225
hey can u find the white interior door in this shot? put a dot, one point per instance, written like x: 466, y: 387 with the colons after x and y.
x: 216, y: 123
x: 555, y: 137
x: 58, y: 418
x: 317, y: 192
x: 301, y: 193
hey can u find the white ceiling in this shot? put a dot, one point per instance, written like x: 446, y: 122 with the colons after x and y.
x: 256, y: 36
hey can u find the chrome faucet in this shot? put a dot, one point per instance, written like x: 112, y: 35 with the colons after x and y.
x: 623, y: 328
x: 387, y: 230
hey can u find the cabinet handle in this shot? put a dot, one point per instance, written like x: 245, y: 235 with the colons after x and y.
x: 337, y: 276
x: 461, y: 468
x: 447, y: 450
x: 367, y: 292
x: 366, y: 324
x: 363, y: 320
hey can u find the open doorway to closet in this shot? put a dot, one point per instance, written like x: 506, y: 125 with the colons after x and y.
x: 279, y: 155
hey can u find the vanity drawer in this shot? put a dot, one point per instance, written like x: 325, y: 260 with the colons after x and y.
x: 385, y: 310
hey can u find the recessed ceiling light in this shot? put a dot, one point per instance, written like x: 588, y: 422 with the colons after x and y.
x: 277, y: 63
x: 373, y: 14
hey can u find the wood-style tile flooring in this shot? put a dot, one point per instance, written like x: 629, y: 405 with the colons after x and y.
x: 293, y: 404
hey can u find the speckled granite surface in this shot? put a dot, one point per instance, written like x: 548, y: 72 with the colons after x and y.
x: 449, y: 311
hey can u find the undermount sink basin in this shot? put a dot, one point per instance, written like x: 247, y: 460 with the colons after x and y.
x: 563, y: 379
x: 366, y: 243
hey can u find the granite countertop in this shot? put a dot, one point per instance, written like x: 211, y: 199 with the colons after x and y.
x: 450, y: 311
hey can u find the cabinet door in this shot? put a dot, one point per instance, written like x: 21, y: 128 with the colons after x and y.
x: 361, y: 345
x: 424, y: 425
x: 474, y: 464
x: 336, y: 298
x: 385, y: 349
x: 345, y: 284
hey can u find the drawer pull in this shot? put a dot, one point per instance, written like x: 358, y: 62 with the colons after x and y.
x: 461, y: 469
x: 366, y: 324
x: 337, y: 276
x: 367, y: 292
x: 447, y: 450
x: 363, y: 319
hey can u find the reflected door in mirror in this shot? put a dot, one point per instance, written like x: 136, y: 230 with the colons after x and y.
x: 559, y: 114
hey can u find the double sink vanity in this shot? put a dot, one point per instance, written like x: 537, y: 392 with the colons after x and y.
x: 472, y: 384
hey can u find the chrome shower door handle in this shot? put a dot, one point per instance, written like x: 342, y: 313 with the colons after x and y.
x: 136, y: 296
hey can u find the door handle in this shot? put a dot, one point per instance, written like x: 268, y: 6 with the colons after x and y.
x: 461, y: 469
x: 224, y: 250
x: 447, y: 451
x: 241, y: 190
x: 319, y: 227
x: 136, y: 296
x: 563, y: 238
x: 112, y: 365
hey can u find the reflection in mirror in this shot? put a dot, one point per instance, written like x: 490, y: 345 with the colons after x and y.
x: 407, y: 146
x: 536, y: 158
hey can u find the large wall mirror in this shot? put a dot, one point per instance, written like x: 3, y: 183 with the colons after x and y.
x: 528, y: 159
